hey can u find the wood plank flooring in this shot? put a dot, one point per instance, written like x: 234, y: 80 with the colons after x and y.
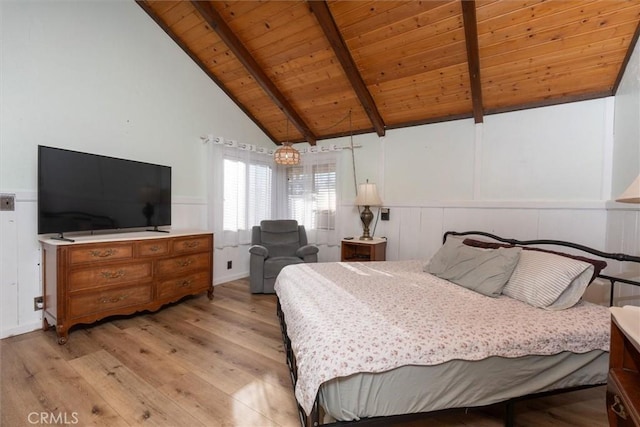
x: 197, y: 363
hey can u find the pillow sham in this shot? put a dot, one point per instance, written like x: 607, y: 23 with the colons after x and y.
x: 598, y: 264
x: 548, y: 281
x: 480, y: 270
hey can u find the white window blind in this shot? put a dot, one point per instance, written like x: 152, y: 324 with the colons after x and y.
x: 311, y: 195
x: 247, y: 193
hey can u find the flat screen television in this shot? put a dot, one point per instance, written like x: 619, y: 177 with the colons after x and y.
x: 87, y: 192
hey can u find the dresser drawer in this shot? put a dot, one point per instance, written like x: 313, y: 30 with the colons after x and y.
x: 185, y: 264
x: 114, y: 274
x: 153, y: 247
x: 191, y: 244
x: 100, y: 253
x: 184, y: 285
x: 97, y: 302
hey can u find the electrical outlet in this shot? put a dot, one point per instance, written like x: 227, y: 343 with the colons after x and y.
x: 384, y: 214
x: 229, y: 265
x: 38, y: 303
x: 7, y: 202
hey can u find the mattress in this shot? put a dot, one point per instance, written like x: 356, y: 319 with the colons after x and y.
x: 371, y: 326
x: 457, y: 384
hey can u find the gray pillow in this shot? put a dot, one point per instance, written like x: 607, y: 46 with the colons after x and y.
x: 482, y: 270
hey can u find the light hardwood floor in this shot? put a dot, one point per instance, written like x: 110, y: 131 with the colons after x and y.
x: 197, y: 363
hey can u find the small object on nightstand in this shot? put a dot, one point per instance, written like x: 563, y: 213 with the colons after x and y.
x: 363, y: 250
x: 348, y: 238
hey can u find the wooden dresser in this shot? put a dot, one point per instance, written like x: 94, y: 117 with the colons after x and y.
x: 623, y: 385
x: 100, y: 276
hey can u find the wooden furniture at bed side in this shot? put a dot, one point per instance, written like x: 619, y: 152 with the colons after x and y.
x: 363, y: 250
x: 623, y: 386
x: 86, y: 282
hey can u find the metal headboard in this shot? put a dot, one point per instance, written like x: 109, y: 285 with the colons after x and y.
x: 607, y: 255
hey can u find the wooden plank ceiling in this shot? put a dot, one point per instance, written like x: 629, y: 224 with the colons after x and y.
x: 305, y: 71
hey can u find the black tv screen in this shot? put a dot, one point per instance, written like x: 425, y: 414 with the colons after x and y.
x: 86, y: 192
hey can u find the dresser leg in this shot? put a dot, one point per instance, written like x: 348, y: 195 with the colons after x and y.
x: 45, y: 323
x: 210, y: 293
x: 63, y: 334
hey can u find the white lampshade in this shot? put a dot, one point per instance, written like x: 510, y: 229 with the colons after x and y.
x: 631, y: 194
x: 368, y: 195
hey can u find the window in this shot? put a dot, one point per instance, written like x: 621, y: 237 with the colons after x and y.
x: 247, y: 193
x: 311, y: 195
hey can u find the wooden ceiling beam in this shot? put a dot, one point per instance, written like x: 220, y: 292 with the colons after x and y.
x: 473, y: 56
x: 321, y: 10
x: 217, y: 23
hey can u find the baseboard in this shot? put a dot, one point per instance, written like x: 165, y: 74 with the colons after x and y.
x: 230, y: 277
x: 22, y: 329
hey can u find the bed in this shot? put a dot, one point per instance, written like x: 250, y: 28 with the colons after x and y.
x: 356, y: 334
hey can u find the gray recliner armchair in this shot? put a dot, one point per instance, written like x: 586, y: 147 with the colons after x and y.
x: 276, y: 244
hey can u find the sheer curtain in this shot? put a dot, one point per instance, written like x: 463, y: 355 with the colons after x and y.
x: 308, y: 193
x: 240, y: 190
x: 246, y: 187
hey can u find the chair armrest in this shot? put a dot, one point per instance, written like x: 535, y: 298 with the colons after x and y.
x: 259, y: 250
x: 306, y: 250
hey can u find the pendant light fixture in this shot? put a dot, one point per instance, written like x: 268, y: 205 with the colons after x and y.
x: 286, y: 154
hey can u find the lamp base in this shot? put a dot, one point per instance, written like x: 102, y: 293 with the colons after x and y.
x: 366, y: 216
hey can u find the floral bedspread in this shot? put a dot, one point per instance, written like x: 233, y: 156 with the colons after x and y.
x: 346, y: 318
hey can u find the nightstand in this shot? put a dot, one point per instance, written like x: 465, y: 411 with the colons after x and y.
x: 363, y: 250
x: 623, y: 385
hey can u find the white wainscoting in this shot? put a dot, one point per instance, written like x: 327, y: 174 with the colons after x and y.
x: 413, y: 232
x: 20, y: 258
x: 416, y: 231
x: 20, y: 266
x: 623, y: 236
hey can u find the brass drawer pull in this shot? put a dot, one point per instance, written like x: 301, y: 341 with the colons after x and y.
x: 184, y: 284
x: 154, y: 248
x: 184, y: 262
x: 112, y: 274
x: 191, y: 244
x: 618, y: 408
x: 102, y: 254
x: 105, y: 300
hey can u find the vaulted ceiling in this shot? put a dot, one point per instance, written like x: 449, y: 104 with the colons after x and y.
x: 310, y: 70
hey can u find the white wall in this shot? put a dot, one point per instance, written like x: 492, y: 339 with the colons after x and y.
x: 98, y: 77
x: 623, y: 220
x: 626, y: 153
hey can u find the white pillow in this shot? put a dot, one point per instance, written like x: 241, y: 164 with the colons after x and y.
x: 548, y: 281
